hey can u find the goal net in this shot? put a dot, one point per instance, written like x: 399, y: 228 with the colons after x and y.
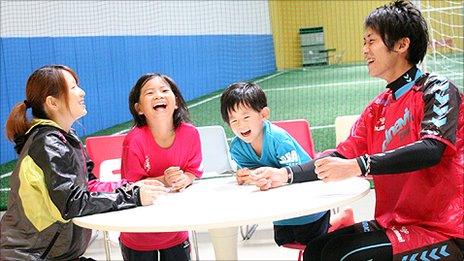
x: 446, y: 27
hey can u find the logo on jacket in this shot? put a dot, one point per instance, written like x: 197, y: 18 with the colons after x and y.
x: 407, y: 77
x: 380, y: 125
x: 437, y: 253
x: 290, y: 158
x: 397, y: 232
x: 147, y: 165
x: 440, y: 107
x: 396, y: 128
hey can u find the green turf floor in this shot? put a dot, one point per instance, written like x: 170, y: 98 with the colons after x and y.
x: 318, y: 94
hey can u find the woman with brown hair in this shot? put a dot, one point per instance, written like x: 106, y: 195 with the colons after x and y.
x: 49, y: 183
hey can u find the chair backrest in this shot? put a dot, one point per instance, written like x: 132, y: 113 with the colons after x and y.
x: 106, y: 152
x: 215, y: 151
x: 343, y: 126
x: 300, y: 130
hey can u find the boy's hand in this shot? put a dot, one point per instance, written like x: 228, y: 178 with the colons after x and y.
x: 243, y: 176
x: 267, y: 177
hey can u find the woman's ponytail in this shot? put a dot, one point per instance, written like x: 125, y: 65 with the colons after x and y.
x: 17, y: 123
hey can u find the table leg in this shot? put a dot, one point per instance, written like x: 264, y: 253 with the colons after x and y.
x: 195, y: 244
x: 224, y: 242
x: 106, y: 242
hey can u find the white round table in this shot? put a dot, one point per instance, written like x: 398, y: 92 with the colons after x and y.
x: 220, y: 205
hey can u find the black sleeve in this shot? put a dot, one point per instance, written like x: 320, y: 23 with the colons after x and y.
x: 421, y: 154
x: 66, y: 184
x: 418, y: 155
x: 90, y: 165
x: 305, y: 172
x: 442, y: 101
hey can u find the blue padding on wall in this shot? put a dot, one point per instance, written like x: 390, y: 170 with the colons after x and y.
x: 108, y: 66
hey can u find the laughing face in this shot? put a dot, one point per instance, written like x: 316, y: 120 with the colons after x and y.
x: 76, y: 95
x: 247, y: 124
x: 156, y: 100
x: 381, y: 62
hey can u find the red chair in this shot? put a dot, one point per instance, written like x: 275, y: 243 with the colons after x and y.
x: 105, y: 152
x: 300, y: 130
x: 339, y: 220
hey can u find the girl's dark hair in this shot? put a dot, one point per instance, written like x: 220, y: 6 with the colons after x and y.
x: 43, y: 82
x: 181, y: 114
x: 397, y: 20
x: 242, y: 93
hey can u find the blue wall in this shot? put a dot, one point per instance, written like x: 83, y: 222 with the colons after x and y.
x: 108, y: 66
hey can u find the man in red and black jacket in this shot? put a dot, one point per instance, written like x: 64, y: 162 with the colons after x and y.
x: 410, y: 139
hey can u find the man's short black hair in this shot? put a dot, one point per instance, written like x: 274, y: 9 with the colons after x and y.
x: 397, y: 20
x: 242, y: 94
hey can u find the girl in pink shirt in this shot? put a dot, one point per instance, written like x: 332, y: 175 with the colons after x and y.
x: 162, y: 145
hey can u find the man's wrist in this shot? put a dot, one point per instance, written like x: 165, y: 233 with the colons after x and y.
x: 364, y: 163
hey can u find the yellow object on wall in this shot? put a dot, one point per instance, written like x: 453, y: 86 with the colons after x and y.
x: 342, y: 22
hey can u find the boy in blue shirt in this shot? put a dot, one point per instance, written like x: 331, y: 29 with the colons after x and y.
x: 260, y: 143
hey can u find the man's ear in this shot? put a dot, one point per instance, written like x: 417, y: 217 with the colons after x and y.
x: 266, y: 112
x: 402, y: 45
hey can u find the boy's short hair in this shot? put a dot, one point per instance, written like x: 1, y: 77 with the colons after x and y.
x: 242, y: 93
x: 397, y: 20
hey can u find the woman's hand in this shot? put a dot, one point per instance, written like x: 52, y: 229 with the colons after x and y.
x: 334, y: 168
x: 150, y: 190
x: 267, y: 177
